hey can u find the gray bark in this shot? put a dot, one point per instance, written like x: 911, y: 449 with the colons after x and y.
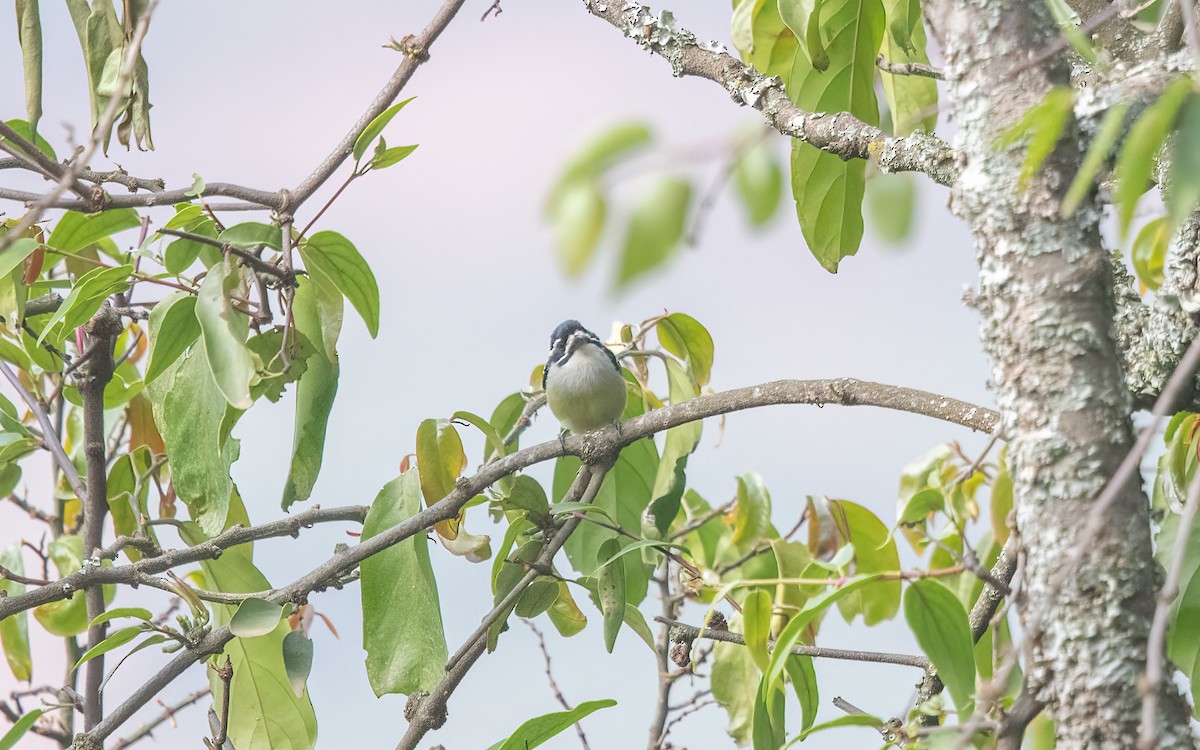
x: 1047, y: 307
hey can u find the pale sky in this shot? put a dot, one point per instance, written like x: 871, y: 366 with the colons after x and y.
x: 258, y: 93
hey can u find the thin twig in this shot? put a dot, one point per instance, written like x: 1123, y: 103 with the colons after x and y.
x: 909, y: 69
x: 167, y: 714
x: 49, y: 434
x: 1155, y: 676
x: 682, y: 629
x: 225, y: 674
x: 558, y: 696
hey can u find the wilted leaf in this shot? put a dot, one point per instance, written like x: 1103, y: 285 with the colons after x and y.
x: 255, y: 617
x: 297, y: 659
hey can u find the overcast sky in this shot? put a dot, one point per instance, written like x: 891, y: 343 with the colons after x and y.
x: 258, y: 93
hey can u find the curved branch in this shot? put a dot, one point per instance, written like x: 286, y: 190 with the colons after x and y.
x: 841, y: 134
x: 592, y: 448
x: 595, y: 448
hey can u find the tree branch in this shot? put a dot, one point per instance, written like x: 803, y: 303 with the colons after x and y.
x: 841, y: 133
x: 49, y: 434
x: 683, y: 631
x: 590, y: 447
x: 64, y: 588
x: 102, y: 331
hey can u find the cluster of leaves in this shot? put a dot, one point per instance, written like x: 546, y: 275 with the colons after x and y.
x: 578, y: 204
x: 210, y: 349
x: 851, y: 560
x: 103, y: 38
x: 825, y: 54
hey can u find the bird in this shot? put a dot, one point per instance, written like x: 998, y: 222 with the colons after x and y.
x: 582, y: 380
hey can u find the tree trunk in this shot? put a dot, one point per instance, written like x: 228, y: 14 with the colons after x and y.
x: 1046, y: 302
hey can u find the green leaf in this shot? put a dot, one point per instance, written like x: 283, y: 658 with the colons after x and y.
x: 565, y: 614
x: 375, y: 127
x: 76, y: 231
x: 874, y: 552
x: 561, y: 508
x: 1097, y: 156
x: 758, y: 182
x: 29, y: 32
x: 536, y: 731
x: 140, y: 613
x: 537, y: 598
x: 117, y: 639
x: 264, y: 712
x: 14, y: 629
x: 803, y: 676
x: 1184, y: 182
x: 684, y: 336
x: 190, y: 412
x: 255, y: 617
x: 1149, y: 251
x: 752, y: 514
x: 790, y: 636
x: 920, y: 505
x: 1069, y: 23
x: 16, y: 253
x: 19, y: 728
x: 26, y: 132
x: 655, y: 230
x: 912, y: 100
x: 636, y: 622
x: 297, y: 659
x: 315, y: 394
x: 251, y: 235
x: 735, y: 681
x: 756, y: 615
x: 851, y: 720
x: 67, y: 617
x: 406, y: 646
x: 640, y: 545
x: 829, y: 191
x: 223, y: 331
x: 680, y: 443
x: 391, y: 156
x: 939, y: 622
x: 891, y: 203
x: 578, y: 221
x: 440, y: 458
x: 597, y: 157
x: 1146, y: 137
x: 624, y: 494
x: 495, y: 440
x: 85, y: 299
x: 339, y: 261
x: 610, y: 587
x: 1043, y: 126
x: 173, y: 328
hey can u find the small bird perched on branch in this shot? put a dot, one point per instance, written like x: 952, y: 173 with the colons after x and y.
x: 583, y: 382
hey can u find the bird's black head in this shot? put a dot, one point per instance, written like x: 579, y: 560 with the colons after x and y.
x: 564, y: 331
